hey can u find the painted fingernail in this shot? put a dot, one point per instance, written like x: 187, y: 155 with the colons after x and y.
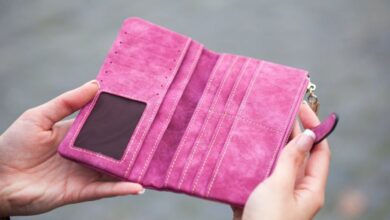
x: 142, y: 191
x: 310, y: 133
x: 94, y: 81
x: 305, y: 140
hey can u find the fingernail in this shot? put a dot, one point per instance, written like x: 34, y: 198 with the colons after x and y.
x: 142, y: 191
x: 304, y: 102
x: 305, y: 140
x: 94, y: 81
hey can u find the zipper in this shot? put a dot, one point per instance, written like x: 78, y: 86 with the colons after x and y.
x: 313, y: 102
x: 311, y: 98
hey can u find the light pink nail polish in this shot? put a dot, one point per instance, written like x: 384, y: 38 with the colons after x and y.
x: 305, y: 140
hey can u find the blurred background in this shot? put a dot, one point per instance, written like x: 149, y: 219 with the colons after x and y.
x: 48, y: 47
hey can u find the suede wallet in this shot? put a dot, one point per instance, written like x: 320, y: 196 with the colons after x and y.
x: 175, y: 116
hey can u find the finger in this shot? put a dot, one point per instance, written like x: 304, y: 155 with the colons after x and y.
x: 308, y: 118
x: 60, y: 129
x: 313, y: 193
x: 302, y: 169
x: 318, y: 165
x: 291, y: 159
x: 98, y: 190
x: 62, y: 106
x: 296, y: 130
x: 317, y: 168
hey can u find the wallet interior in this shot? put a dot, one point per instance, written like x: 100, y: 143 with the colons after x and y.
x: 173, y: 115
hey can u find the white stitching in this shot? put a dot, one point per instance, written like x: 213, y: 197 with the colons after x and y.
x: 233, y: 126
x: 186, y: 45
x: 281, y: 141
x: 82, y: 121
x: 176, y: 99
x: 243, y: 118
x: 184, y: 139
x: 220, y: 122
x: 200, y: 135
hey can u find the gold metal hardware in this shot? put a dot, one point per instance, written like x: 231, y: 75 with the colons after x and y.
x: 312, y: 99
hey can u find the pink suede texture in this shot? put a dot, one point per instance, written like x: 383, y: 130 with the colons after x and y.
x: 325, y: 128
x: 214, y: 124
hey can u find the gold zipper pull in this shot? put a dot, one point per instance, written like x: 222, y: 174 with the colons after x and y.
x: 312, y: 99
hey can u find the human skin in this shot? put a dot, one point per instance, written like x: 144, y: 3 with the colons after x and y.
x: 35, y: 179
x: 296, y: 189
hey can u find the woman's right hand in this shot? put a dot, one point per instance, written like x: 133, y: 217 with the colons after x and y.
x: 296, y: 189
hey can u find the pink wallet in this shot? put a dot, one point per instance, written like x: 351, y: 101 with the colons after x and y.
x: 175, y: 116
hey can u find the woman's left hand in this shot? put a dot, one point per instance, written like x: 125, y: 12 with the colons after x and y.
x: 296, y: 188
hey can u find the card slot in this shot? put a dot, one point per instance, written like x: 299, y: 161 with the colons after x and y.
x: 127, y: 83
x: 78, y: 144
x: 252, y: 154
x: 155, y: 106
x: 276, y: 87
x: 158, y: 168
x: 165, y: 112
x: 97, y: 132
x: 205, y: 140
x: 209, y: 181
x: 227, y: 117
x: 264, y: 143
x: 203, y: 83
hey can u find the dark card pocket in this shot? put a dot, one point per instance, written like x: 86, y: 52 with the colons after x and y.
x: 110, y: 125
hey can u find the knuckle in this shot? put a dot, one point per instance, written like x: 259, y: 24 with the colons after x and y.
x: 294, y: 156
x: 320, y: 200
x: 29, y: 113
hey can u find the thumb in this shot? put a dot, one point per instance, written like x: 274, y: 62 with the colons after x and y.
x: 47, y: 114
x: 291, y: 158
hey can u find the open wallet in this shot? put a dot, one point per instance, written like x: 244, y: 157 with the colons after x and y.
x: 175, y: 116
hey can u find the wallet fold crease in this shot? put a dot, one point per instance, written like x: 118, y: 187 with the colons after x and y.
x: 173, y: 115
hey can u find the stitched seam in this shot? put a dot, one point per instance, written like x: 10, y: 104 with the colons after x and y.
x: 213, y: 105
x: 242, y: 118
x: 83, y: 119
x: 165, y: 125
x: 184, y: 140
x: 229, y: 103
x: 186, y: 45
x: 232, y: 128
x: 132, y: 139
x: 289, y: 119
x: 78, y: 128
